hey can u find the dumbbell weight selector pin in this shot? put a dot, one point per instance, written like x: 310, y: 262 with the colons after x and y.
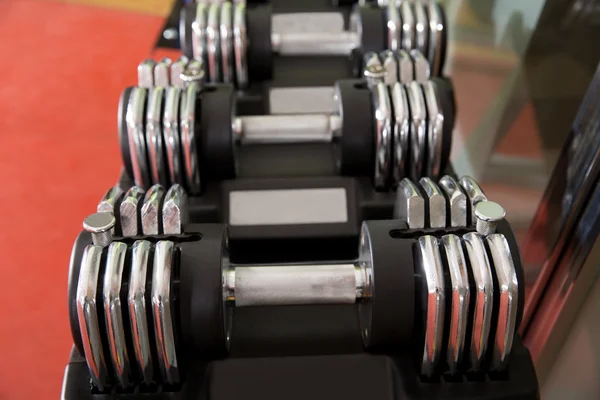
x: 488, y: 215
x: 101, y: 225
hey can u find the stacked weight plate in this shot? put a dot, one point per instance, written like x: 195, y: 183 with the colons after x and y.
x: 325, y: 252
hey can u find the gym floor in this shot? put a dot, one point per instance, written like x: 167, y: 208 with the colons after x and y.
x: 60, y: 154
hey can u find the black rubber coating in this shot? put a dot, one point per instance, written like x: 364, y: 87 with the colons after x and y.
x: 445, y: 92
x: 338, y: 3
x: 505, y: 229
x: 122, y: 129
x: 186, y: 18
x: 393, y: 297
x: 374, y: 24
x: 83, y: 239
x: 357, y: 142
x: 260, y: 51
x: 214, y: 133
x: 444, y: 44
x: 201, y: 293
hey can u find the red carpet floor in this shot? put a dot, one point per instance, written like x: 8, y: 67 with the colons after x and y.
x: 64, y: 66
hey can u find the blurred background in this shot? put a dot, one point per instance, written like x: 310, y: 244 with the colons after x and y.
x: 525, y: 76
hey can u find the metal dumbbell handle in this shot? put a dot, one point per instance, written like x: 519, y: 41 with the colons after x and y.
x: 343, y: 282
x: 286, y: 128
x: 315, y: 43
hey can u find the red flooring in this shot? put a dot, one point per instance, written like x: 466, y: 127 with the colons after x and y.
x: 62, y: 72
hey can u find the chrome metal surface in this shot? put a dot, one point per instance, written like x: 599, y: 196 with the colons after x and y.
x: 130, y: 211
x: 213, y: 42
x: 421, y: 66
x: 435, y: 130
x: 435, y: 203
x: 191, y: 166
x: 113, y: 315
x: 317, y: 21
x: 408, y: 25
x: 102, y: 227
x: 410, y: 204
x: 193, y: 73
x: 421, y: 27
x: 488, y: 215
x: 508, y: 288
x: 390, y: 65
x: 373, y: 70
x: 177, y: 69
x: 314, y: 43
x: 174, y: 213
x: 382, y: 111
x: 146, y: 73
x: 406, y: 71
x: 484, y: 289
x: 365, y: 261
x: 140, y: 253
x: 429, y: 266
x: 418, y: 128
x: 240, y: 45
x: 135, y: 133
x: 161, y: 310
x: 226, y: 33
x: 474, y: 193
x: 170, y: 131
x: 296, y: 128
x: 459, y: 308
x: 154, y: 138
x: 295, y: 284
x: 152, y: 210
x: 394, y: 28
x: 199, y: 27
x: 162, y: 73
x: 436, y: 37
x: 110, y: 201
x: 457, y: 201
x: 401, y: 131
x: 87, y: 315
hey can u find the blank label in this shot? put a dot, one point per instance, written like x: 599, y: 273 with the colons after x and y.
x: 288, y: 207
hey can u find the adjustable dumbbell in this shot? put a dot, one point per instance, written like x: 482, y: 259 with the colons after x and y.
x: 386, y: 134
x: 455, y: 296
x: 217, y: 36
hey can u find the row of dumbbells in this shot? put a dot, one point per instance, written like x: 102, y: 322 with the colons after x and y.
x: 237, y: 44
x: 464, y: 319
x: 172, y: 135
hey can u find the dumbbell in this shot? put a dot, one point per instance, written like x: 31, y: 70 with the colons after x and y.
x: 375, y: 126
x: 455, y: 296
x: 234, y: 41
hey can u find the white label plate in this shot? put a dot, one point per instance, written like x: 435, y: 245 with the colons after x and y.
x: 288, y: 207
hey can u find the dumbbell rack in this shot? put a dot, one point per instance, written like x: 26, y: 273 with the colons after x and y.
x: 299, y: 351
